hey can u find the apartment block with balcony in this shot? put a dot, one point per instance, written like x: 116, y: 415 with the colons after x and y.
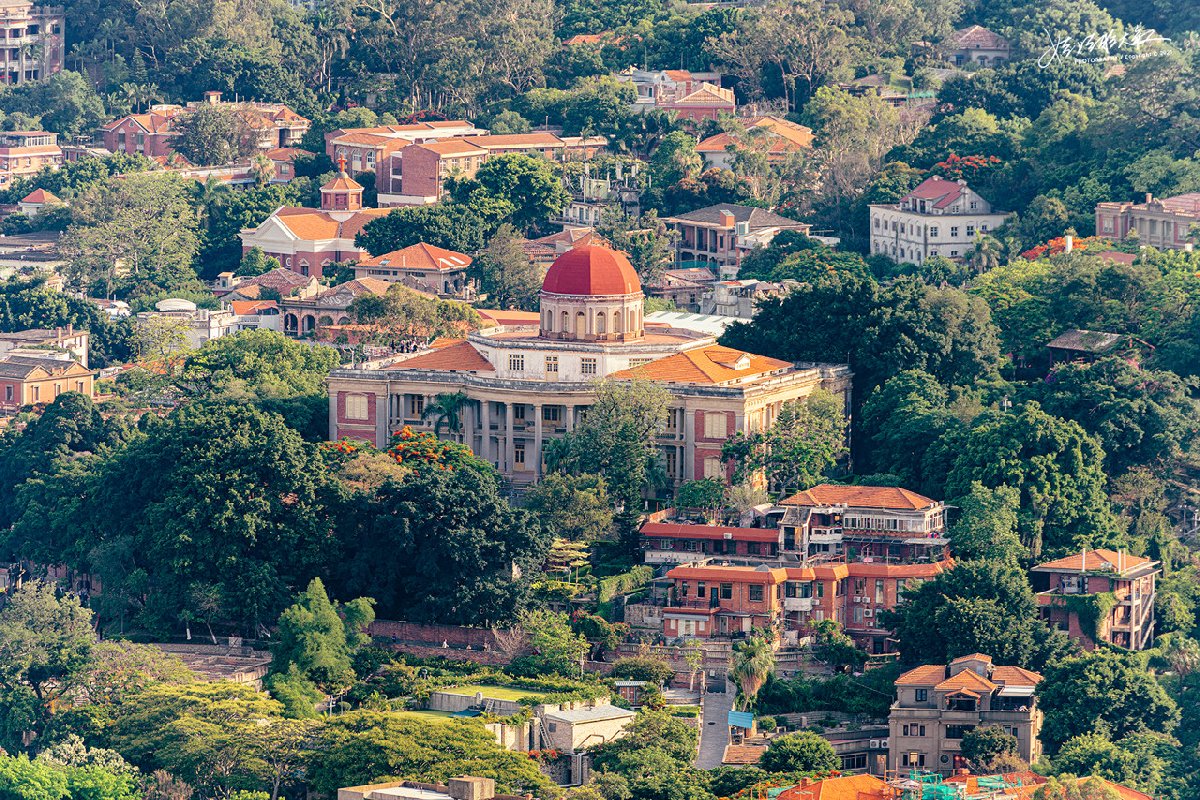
x: 25, y: 153
x: 936, y: 705
x: 722, y: 601
x: 32, y: 41
x: 1099, y: 596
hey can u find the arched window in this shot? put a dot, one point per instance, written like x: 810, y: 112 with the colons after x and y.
x: 600, y: 324
x: 580, y: 324
x: 617, y: 322
x: 566, y: 322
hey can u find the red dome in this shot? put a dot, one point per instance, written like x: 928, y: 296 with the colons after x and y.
x: 592, y: 270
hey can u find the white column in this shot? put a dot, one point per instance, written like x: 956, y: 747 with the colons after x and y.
x: 381, y: 419
x: 537, y: 442
x: 485, y: 436
x: 510, y: 440
x: 689, y: 445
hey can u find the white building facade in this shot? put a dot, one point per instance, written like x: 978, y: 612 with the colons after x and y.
x: 940, y: 217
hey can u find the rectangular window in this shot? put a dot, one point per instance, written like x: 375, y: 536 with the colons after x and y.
x: 912, y: 760
x: 700, y: 589
x: 551, y: 413
x: 933, y: 231
x: 715, y: 426
x: 713, y: 468
x: 858, y: 614
x: 726, y: 591
x: 756, y: 593
x: 672, y: 462
x: 516, y: 363
x: 879, y: 598
x: 416, y: 405
x: 518, y: 412
x: 953, y: 231
x: 552, y: 364
x: 519, y: 454
x: 37, y: 393
x: 820, y: 589
x: 356, y: 406
x: 922, y: 695
x: 855, y: 761
x: 970, y: 231
x: 587, y: 366
x: 860, y: 587
x: 8, y: 393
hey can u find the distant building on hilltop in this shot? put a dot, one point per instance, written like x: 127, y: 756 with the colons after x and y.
x: 720, y: 236
x: 940, y: 217
x: 33, y: 41
x: 25, y: 153
x: 1165, y: 223
x: 976, y: 45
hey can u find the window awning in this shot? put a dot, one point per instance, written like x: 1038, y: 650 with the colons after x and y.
x: 1016, y: 691
x: 741, y: 719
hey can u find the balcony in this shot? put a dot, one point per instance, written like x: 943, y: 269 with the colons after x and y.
x: 966, y: 717
x: 799, y: 603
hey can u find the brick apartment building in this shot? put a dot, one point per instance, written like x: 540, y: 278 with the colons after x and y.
x: 24, y: 153
x: 1099, y: 596
x: 936, y: 705
x: 847, y: 551
x: 153, y: 132
x: 32, y: 46
x: 722, y: 601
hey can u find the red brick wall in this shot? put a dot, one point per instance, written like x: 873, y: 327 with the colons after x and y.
x: 420, y: 172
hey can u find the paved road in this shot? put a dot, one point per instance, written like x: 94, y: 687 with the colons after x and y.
x: 714, y: 732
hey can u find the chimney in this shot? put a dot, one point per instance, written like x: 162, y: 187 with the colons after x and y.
x: 727, y: 219
x: 70, y: 328
x: 1149, y: 196
x: 1069, y: 243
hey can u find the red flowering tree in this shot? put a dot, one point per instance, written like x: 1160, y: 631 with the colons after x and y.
x: 965, y: 167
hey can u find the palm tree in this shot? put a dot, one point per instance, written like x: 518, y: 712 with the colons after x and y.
x: 986, y: 254
x: 448, y: 410
x: 753, y: 663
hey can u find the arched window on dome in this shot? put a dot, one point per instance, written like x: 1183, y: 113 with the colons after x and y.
x: 617, y: 321
x: 600, y: 326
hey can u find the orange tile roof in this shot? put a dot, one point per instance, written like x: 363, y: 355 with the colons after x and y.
x: 453, y: 356
x: 966, y: 680
x: 678, y: 75
x: 505, y: 317
x: 244, y: 307
x: 421, y: 256
x: 972, y: 657
x: 312, y: 224
x: 860, y: 497
x: 846, y: 787
x: 452, y: 147
x: 712, y: 365
x: 362, y: 137
x: 1097, y: 560
x: 1015, y: 676
x: 677, y: 531
x: 40, y: 196
x: 862, y: 569
x: 825, y: 572
x: 342, y: 183
x: 925, y: 675
x: 535, y: 139
x: 705, y: 95
x: 287, y: 153
x: 731, y: 574
x: 742, y: 755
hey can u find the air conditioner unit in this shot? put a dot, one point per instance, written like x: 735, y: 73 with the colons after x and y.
x: 874, y: 744
x: 867, y: 613
x: 884, y: 744
x: 728, y: 535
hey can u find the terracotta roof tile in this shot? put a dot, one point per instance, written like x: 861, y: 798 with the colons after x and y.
x: 1015, y: 676
x: 740, y: 755
x: 968, y: 680
x: 41, y: 196
x: 506, y: 317
x: 420, y: 256
x: 712, y: 365
x: 846, y: 787
x: 972, y: 657
x: 677, y: 531
x: 1098, y: 560
x: 452, y: 147
x: 535, y: 139
x: 925, y: 675
x: 453, y: 356
x: 730, y: 574
x: 860, y: 497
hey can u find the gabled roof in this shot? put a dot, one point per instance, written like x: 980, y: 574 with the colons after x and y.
x: 1015, y: 676
x: 924, y: 675
x: 714, y: 532
x: 967, y: 680
x: 282, y: 279
x: 706, y: 95
x: 312, y: 224
x: 248, y: 307
x: 1085, y: 341
x: 420, y: 256
x: 891, y: 497
x: 1100, y: 560
x: 757, y: 217
x: 453, y: 355
x: 23, y: 366
x: 941, y: 191
x: 976, y: 37
x: 973, y: 657
x: 711, y: 365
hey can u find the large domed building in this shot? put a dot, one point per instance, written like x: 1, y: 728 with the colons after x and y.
x: 531, y: 375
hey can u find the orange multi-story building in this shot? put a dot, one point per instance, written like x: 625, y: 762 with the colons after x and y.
x: 28, y: 379
x: 1114, y: 591
x: 721, y: 601
x: 847, y: 552
x: 24, y: 153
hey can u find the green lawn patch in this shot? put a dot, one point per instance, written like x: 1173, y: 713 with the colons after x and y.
x: 495, y: 692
